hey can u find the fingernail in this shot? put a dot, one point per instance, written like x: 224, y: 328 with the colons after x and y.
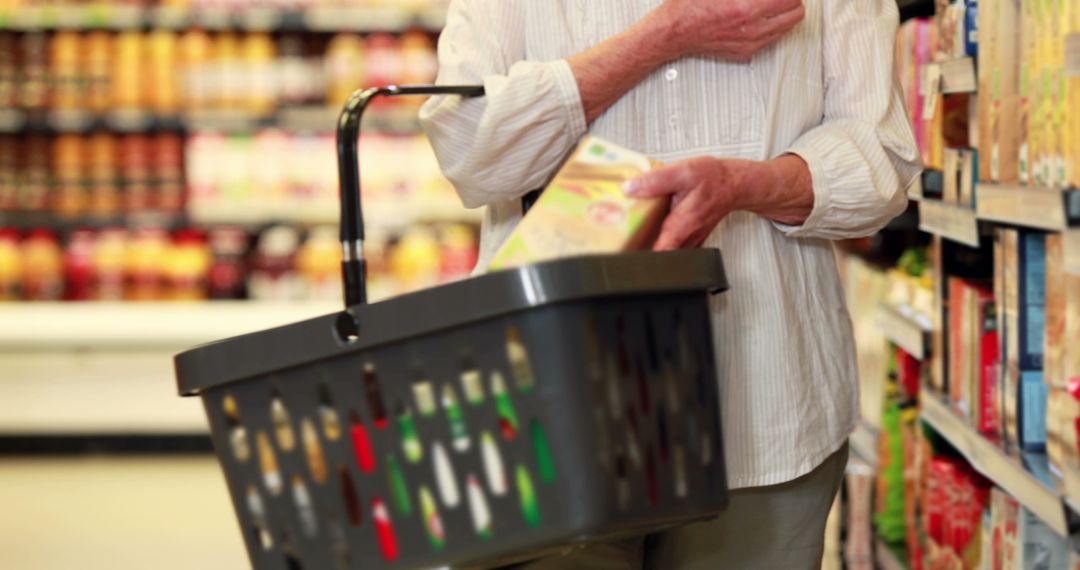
x: 631, y: 188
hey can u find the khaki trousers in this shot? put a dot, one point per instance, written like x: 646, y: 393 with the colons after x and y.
x: 779, y: 527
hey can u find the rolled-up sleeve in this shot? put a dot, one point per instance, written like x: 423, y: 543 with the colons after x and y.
x: 862, y: 157
x: 502, y: 145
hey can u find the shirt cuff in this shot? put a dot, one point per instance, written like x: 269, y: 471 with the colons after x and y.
x: 570, y: 97
x: 822, y: 195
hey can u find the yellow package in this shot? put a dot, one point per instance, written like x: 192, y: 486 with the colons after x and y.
x: 584, y: 210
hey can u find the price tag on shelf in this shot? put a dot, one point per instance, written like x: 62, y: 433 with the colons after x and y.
x: 260, y: 19
x: 170, y: 17
x: 129, y: 120
x: 12, y: 120
x: 70, y: 120
x: 213, y: 18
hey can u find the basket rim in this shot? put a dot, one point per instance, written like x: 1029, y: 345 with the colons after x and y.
x: 474, y: 299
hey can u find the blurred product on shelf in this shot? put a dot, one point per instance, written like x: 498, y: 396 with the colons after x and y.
x: 859, y: 537
x: 273, y: 175
x: 284, y: 264
x: 953, y: 501
x: 165, y: 72
x: 92, y: 176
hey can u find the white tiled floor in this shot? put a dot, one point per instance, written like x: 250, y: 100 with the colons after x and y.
x: 117, y: 514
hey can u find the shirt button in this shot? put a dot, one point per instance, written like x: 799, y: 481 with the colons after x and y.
x: 671, y: 74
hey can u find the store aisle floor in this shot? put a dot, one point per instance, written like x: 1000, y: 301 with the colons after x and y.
x: 89, y: 513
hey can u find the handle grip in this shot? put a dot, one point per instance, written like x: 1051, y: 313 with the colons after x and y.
x: 352, y: 214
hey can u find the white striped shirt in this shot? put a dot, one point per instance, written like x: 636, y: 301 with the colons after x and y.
x: 826, y: 92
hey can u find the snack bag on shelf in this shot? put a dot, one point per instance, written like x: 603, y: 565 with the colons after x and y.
x: 584, y: 209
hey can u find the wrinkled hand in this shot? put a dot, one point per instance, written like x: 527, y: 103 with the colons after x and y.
x: 729, y: 29
x: 703, y: 192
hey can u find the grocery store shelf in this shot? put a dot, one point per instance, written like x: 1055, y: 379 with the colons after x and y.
x: 885, y: 557
x: 949, y: 221
x: 958, y: 76
x: 308, y: 119
x: 1028, y: 206
x: 989, y: 459
x: 904, y: 329
x: 320, y: 19
x: 387, y: 217
x: 142, y: 325
x: 27, y: 220
x: 863, y: 442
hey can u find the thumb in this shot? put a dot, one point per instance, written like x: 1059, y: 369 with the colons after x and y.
x: 662, y: 181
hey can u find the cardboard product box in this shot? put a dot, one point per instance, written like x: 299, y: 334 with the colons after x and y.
x: 999, y: 311
x: 584, y: 210
x: 1005, y: 93
x: 1062, y: 412
x: 1011, y: 328
x: 1072, y: 74
x: 1071, y: 354
x: 1056, y: 301
x: 988, y: 420
x: 968, y: 166
x: 1032, y: 299
x: 987, y: 61
x: 1028, y: 44
x: 951, y: 172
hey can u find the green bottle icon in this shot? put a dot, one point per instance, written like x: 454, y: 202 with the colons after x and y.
x: 410, y: 438
x: 530, y: 506
x: 436, y: 533
x: 545, y: 463
x: 398, y: 487
x: 459, y: 432
x: 508, y: 420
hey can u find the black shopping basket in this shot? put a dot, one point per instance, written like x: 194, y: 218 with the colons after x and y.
x: 476, y: 424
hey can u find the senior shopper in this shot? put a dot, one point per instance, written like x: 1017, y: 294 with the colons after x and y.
x: 782, y: 128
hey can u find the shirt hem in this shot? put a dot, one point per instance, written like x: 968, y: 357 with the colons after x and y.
x: 804, y: 467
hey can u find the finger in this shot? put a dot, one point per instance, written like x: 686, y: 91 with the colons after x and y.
x: 771, y: 27
x: 662, y: 181
x: 683, y: 222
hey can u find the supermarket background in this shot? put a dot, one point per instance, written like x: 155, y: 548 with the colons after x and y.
x: 167, y: 177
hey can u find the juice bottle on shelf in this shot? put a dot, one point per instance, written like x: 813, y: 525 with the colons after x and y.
x: 11, y: 272
x: 103, y: 179
x: 415, y: 260
x: 34, y: 179
x: 419, y: 65
x: 160, y: 71
x: 319, y: 262
x: 459, y: 252
x: 9, y: 70
x: 187, y: 267
x: 146, y: 256
x: 79, y: 266
x: 345, y: 59
x: 195, y: 72
x: 168, y: 162
x: 97, y: 57
x: 110, y: 263
x: 236, y: 171
x: 203, y: 156
x: 384, y: 63
x: 135, y: 172
x: 33, y: 59
x: 270, y: 150
x: 299, y: 81
x: 9, y: 173
x: 259, y: 57
x: 227, y: 88
x: 67, y: 71
x: 69, y: 197
x: 273, y: 268
x: 228, y: 271
x: 128, y: 87
x: 43, y: 277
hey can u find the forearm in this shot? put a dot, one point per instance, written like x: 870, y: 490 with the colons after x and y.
x: 780, y: 189
x: 608, y: 70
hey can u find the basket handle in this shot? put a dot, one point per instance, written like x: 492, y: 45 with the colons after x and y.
x: 352, y: 216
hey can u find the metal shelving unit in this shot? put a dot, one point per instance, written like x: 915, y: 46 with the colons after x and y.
x: 1005, y: 470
